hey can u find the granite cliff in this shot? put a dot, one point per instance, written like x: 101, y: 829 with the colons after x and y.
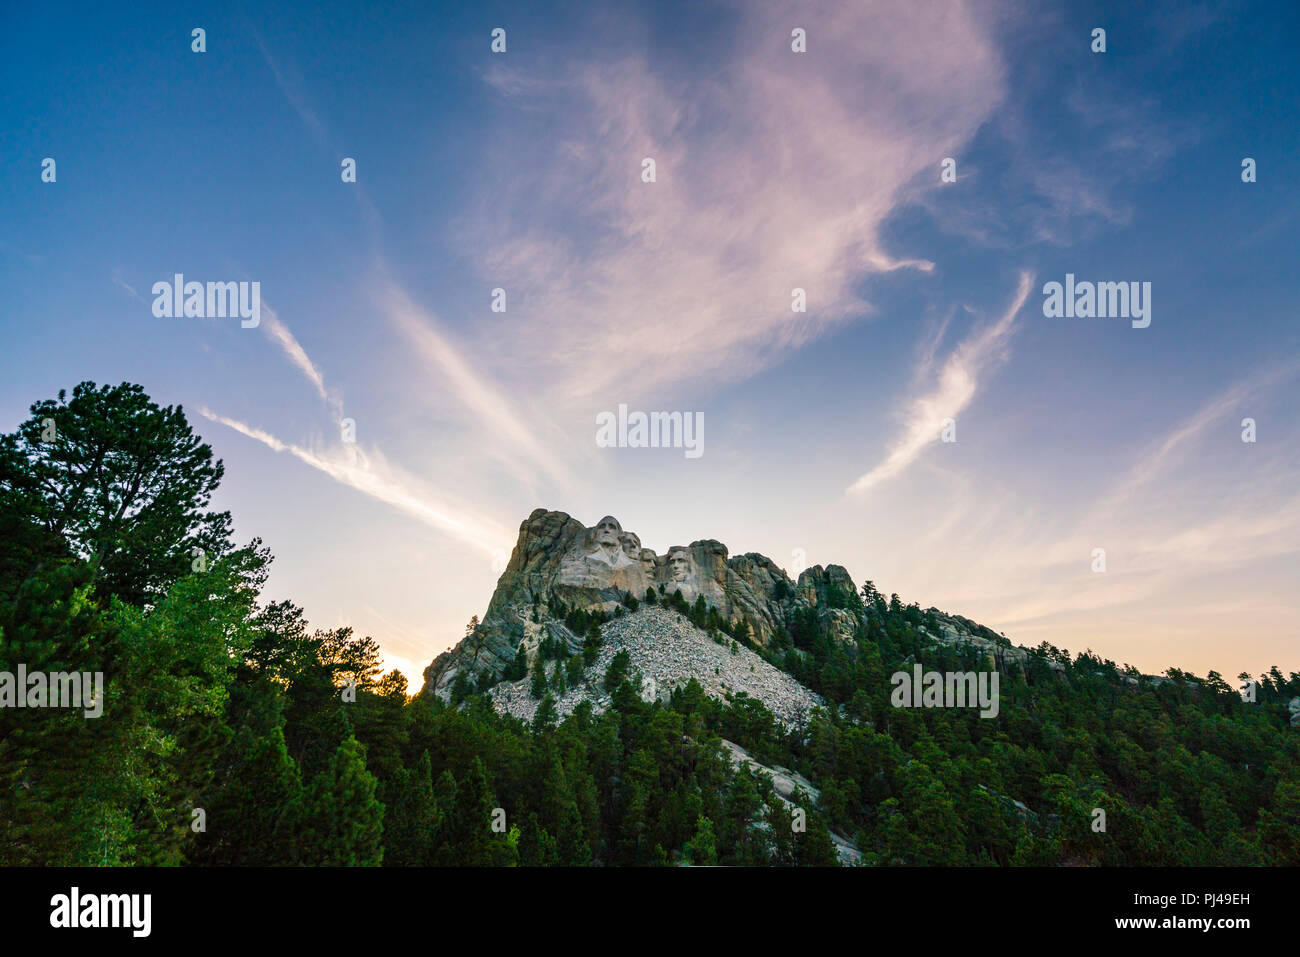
x: 560, y: 565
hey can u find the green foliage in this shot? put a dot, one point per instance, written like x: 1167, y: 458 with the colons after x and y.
x: 339, y: 820
x: 538, y: 687
x: 518, y: 667
x: 617, y: 671
x: 413, y: 819
x: 221, y: 710
x: 702, y: 850
x: 123, y: 485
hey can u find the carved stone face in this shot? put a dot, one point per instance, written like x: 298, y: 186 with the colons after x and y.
x: 631, y: 545
x: 648, y: 561
x: 679, y: 564
x: 607, y: 532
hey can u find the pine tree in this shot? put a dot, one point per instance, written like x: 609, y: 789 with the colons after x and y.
x: 1279, y: 826
x: 544, y: 718
x: 412, y: 820
x: 538, y: 688
x: 536, y: 847
x: 340, y: 822
x: 573, y: 847
x: 618, y: 670
x: 250, y: 805
x: 469, y: 838
x: 703, y: 847
x: 124, y: 482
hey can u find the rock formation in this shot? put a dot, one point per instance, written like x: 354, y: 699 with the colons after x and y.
x: 559, y: 564
x: 666, y: 652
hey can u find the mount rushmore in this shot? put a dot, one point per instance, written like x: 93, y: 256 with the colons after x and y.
x: 559, y: 563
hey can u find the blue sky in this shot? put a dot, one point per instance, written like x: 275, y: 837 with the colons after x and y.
x: 775, y: 170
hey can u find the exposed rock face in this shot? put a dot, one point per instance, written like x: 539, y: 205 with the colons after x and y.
x: 667, y: 651
x: 558, y: 558
x: 818, y: 586
x: 788, y: 786
x: 998, y: 652
x: 559, y: 562
x: 833, y: 598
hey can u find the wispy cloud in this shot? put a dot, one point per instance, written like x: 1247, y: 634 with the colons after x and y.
x: 498, y: 417
x: 1144, y: 562
x: 762, y: 186
x: 32, y: 259
x: 958, y: 382
x: 371, y: 476
x: 1198, y: 513
x: 279, y: 333
x: 294, y: 90
x: 121, y: 284
x: 505, y: 429
x: 620, y: 288
x: 1213, y: 413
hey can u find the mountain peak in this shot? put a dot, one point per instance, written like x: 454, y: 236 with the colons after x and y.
x: 561, y: 567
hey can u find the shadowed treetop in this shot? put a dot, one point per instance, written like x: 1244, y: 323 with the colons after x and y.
x: 116, y: 479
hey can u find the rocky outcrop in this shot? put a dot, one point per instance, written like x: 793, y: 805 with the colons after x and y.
x: 997, y: 651
x: 560, y: 565
x: 666, y: 652
x: 828, y: 587
x: 792, y: 788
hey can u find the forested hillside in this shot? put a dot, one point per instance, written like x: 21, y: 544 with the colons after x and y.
x: 233, y: 733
